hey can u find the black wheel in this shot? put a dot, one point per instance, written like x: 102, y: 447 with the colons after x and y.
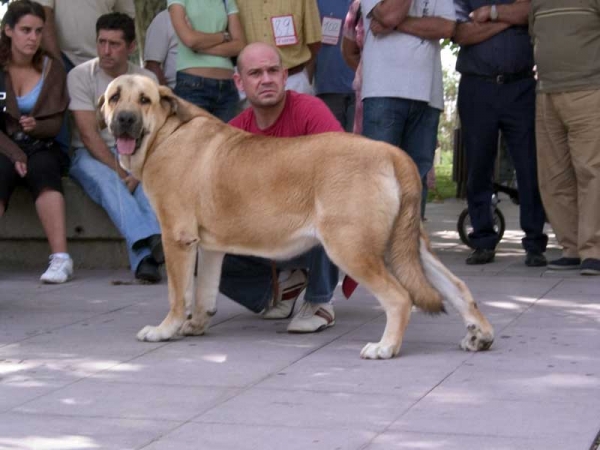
x: 464, y: 225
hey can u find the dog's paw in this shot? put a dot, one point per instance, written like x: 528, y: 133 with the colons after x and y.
x: 476, y: 339
x: 377, y: 350
x: 192, y: 328
x: 153, y: 334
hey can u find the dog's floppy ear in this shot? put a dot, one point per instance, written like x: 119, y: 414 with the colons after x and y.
x: 100, y: 113
x: 185, y: 111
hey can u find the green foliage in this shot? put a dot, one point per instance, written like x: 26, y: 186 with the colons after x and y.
x: 444, y: 186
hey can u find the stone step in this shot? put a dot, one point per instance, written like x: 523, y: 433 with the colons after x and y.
x: 93, y: 240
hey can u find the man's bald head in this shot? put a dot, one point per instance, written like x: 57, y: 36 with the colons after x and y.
x: 261, y: 75
x: 255, y: 52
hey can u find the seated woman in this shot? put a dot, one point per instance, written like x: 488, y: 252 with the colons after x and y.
x: 36, y: 99
x: 210, y: 33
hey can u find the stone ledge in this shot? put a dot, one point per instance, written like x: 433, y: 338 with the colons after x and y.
x: 94, y: 242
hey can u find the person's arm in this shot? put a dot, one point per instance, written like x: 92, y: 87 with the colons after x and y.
x: 238, y: 39
x: 49, y: 35
x: 470, y: 33
x: 86, y: 123
x: 428, y: 27
x: 11, y: 150
x: 311, y: 63
x: 351, y: 53
x: 56, y: 99
x: 481, y: 27
x: 198, y: 41
x: 516, y: 13
x: 390, y: 13
x: 156, y: 68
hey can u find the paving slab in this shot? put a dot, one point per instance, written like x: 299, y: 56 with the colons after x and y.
x: 73, y: 376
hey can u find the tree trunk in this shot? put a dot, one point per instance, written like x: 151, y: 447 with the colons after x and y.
x: 145, y: 10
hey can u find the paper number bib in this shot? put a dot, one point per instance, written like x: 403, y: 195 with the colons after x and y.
x: 331, y: 28
x: 284, y: 31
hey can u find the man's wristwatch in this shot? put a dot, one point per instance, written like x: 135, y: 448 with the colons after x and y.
x: 494, y: 13
x: 226, y: 36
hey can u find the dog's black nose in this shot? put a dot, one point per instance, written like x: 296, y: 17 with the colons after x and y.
x: 126, y: 118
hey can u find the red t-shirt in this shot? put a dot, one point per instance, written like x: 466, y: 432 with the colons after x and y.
x: 302, y: 115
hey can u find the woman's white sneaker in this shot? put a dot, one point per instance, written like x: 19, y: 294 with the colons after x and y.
x: 59, y: 271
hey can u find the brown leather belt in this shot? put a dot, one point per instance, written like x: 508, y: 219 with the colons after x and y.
x: 296, y: 69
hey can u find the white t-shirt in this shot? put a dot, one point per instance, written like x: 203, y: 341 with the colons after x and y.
x: 86, y: 83
x: 76, y: 24
x: 161, y: 45
x: 401, y: 65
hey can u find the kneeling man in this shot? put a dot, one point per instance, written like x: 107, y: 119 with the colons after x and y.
x: 249, y: 280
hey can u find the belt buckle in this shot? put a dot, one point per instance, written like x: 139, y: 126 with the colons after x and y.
x: 500, y: 79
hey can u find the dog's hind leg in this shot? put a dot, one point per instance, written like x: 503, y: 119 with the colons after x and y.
x: 371, y: 271
x: 180, y: 267
x: 207, y: 288
x: 480, y: 333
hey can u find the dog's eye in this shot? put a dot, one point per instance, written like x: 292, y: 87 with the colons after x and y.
x: 114, y: 98
x: 144, y: 100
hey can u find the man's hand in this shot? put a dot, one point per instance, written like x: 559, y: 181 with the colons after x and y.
x: 131, y: 183
x: 377, y: 28
x: 21, y: 168
x: 27, y: 123
x: 481, y: 14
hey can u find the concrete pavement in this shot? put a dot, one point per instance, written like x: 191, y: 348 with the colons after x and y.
x: 72, y: 375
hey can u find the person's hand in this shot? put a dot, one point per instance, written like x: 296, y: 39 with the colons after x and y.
x: 131, y: 183
x: 27, y: 123
x: 378, y: 29
x: 481, y: 14
x: 21, y: 168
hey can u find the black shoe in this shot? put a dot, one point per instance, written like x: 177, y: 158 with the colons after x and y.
x: 535, y: 259
x: 565, y: 263
x: 590, y: 266
x: 481, y: 256
x: 154, y: 243
x: 147, y: 270
x: 156, y: 248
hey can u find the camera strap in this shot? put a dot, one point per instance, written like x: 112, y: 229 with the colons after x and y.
x: 2, y: 100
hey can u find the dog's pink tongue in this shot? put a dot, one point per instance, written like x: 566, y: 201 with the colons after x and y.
x: 125, y: 145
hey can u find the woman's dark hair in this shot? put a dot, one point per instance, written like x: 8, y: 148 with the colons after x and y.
x: 14, y: 13
x: 117, y: 21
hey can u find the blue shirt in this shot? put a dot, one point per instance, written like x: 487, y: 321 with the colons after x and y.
x: 28, y: 101
x: 509, y: 51
x: 332, y: 74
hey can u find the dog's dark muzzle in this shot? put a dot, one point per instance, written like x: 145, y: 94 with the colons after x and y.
x: 127, y: 123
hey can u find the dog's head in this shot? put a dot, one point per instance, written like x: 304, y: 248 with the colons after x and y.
x: 135, y: 107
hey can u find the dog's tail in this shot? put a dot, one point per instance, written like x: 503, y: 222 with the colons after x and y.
x: 405, y: 256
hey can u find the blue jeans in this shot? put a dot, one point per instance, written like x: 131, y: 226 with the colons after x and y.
x: 485, y: 108
x: 218, y: 97
x: 131, y: 213
x: 411, y: 125
x: 248, y: 280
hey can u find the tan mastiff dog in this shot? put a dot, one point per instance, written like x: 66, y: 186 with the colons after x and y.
x: 217, y: 190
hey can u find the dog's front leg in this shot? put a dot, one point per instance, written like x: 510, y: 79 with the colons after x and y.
x: 207, y: 288
x: 180, y: 270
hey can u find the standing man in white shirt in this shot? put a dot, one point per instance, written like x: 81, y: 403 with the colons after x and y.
x: 402, y: 89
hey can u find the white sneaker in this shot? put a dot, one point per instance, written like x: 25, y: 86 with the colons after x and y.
x: 59, y: 270
x: 312, y: 317
x: 289, y: 291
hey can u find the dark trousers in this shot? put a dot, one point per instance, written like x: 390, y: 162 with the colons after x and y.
x: 485, y: 108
